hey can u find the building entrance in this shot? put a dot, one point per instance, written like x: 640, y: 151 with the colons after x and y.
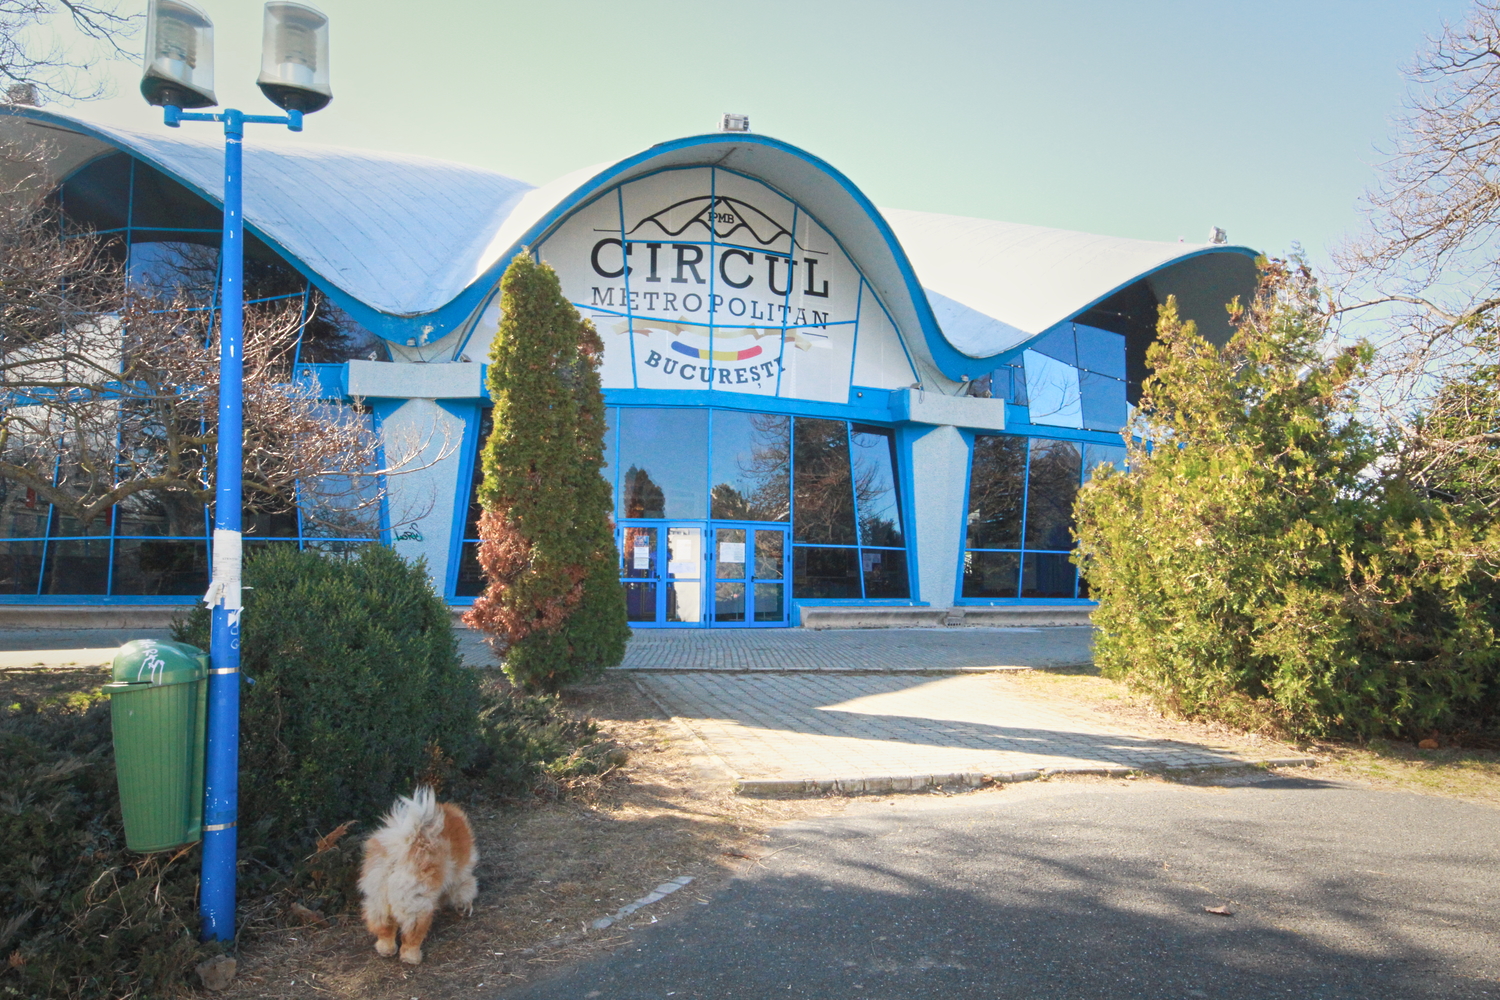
x: 705, y: 574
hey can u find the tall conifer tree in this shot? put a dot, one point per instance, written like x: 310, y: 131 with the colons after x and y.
x: 553, y: 605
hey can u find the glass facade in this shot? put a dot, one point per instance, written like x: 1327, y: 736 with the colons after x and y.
x: 1019, y: 529
x: 155, y: 544
x: 832, y: 483
x: 1074, y: 376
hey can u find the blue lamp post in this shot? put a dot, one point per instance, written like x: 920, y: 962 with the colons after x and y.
x: 178, y: 75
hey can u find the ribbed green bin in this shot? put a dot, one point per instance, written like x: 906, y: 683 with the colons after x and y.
x: 158, y: 708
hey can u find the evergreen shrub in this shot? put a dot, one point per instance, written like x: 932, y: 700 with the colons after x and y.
x: 553, y: 604
x: 81, y: 916
x: 353, y: 692
x: 1254, y: 565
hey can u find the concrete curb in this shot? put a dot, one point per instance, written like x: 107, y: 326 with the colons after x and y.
x: 111, y: 616
x: 885, y: 784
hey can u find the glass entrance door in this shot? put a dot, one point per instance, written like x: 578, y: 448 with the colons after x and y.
x: 749, y: 576
x: 692, y: 576
x: 662, y: 573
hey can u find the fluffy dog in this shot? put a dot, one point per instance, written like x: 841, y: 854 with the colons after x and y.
x: 423, y: 856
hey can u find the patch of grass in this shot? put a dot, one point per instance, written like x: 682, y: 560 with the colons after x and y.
x: 1455, y: 772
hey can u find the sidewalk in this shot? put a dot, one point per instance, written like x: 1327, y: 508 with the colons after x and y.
x: 789, y: 733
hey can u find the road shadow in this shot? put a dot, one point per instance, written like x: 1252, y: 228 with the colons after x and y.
x: 1335, y: 894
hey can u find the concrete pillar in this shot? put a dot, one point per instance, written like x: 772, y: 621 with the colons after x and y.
x: 940, y: 471
x: 423, y: 504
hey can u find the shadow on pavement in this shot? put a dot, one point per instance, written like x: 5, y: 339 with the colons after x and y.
x: 1094, y: 893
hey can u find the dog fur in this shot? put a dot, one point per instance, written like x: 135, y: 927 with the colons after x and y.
x: 422, y: 857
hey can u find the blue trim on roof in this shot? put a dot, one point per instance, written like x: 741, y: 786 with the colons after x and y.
x: 428, y: 328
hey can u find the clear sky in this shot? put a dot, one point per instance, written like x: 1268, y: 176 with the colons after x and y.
x: 1145, y: 118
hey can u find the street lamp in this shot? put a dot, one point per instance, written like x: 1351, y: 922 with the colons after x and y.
x: 178, y: 74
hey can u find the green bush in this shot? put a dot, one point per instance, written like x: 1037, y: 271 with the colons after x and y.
x: 553, y: 601
x: 80, y: 916
x: 353, y: 692
x: 1255, y: 566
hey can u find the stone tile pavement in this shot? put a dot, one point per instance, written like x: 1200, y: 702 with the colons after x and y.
x: 883, y: 710
x: 883, y: 649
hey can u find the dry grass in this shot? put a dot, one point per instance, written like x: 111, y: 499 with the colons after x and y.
x: 1468, y: 774
x: 548, y: 869
x: 47, y: 686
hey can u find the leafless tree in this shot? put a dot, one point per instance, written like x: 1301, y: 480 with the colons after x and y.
x: 108, y: 397
x: 34, y: 53
x: 1425, y: 277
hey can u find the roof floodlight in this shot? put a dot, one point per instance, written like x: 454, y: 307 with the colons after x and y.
x: 179, y: 64
x: 734, y: 123
x: 1217, y: 235
x: 294, y: 58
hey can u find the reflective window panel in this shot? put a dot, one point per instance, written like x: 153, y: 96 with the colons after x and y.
x: 875, y: 493
x: 1056, y: 468
x: 824, y: 485
x: 20, y: 567
x: 1095, y: 455
x: 885, y: 573
x: 751, y: 466
x: 1103, y: 401
x: 825, y: 573
x: 470, y: 582
x: 664, y: 462
x: 638, y: 553
x: 77, y: 567
x: 997, y: 492
x: 159, y: 566
x: 991, y: 574
x: 1100, y: 351
x: 640, y: 602
x: 1045, y: 574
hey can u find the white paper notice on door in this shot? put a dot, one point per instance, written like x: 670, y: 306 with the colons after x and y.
x: 731, y: 552
x: 642, y: 553
x: 682, y: 567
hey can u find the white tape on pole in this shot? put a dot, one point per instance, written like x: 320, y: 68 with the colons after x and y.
x: 224, y: 585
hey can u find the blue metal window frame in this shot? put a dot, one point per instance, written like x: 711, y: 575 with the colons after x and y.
x: 112, y: 539
x: 1026, y: 432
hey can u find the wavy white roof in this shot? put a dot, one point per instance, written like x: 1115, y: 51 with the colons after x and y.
x: 409, y: 235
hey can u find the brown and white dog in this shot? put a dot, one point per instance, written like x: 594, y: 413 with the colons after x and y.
x: 422, y: 857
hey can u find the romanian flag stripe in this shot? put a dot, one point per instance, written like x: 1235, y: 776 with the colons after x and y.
x: 704, y: 354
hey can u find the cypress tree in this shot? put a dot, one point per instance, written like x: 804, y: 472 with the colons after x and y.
x: 553, y: 605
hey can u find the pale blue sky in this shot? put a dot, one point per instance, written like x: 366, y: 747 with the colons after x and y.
x: 1149, y: 118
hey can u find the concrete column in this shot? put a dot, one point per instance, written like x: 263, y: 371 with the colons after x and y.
x: 423, y: 503
x: 940, y: 470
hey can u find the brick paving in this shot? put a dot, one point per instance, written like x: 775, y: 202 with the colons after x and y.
x: 884, y: 649
x: 893, y: 709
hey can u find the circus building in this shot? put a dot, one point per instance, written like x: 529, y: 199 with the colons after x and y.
x: 819, y: 411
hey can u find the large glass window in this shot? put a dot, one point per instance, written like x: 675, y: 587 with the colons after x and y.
x: 835, y: 482
x: 751, y: 467
x: 1020, y: 520
x: 664, y: 463
x: 156, y: 544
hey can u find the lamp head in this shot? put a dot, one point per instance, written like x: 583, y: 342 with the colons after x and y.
x: 179, y: 62
x: 294, y: 57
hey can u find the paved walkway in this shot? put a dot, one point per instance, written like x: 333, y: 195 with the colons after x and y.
x: 789, y: 710
x: 859, y: 649
x: 779, y: 733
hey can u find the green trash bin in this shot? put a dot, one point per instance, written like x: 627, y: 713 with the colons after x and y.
x: 158, y: 709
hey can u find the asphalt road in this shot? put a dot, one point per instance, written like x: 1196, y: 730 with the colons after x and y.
x: 1093, y: 890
